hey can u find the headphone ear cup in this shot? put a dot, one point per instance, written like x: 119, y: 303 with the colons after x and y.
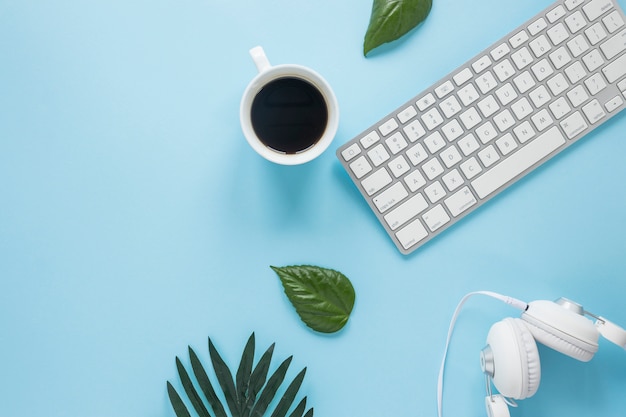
x: 517, y: 369
x: 562, y: 330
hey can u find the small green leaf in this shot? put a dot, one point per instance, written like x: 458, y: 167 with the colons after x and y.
x: 245, y: 370
x: 289, y: 396
x: 323, y: 298
x: 177, y: 402
x: 225, y: 378
x: 268, y: 393
x: 299, y: 410
x: 391, y: 19
x: 197, y: 403
x: 205, y: 385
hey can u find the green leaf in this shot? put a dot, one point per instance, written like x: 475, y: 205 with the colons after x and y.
x: 257, y: 379
x: 289, y: 396
x: 323, y: 298
x: 177, y: 402
x: 245, y: 370
x: 205, y: 385
x: 268, y: 393
x: 225, y: 378
x: 197, y: 403
x: 299, y: 410
x: 392, y: 19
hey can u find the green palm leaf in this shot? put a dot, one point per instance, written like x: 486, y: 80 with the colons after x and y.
x: 249, y: 394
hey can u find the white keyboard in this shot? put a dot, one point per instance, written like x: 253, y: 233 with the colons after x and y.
x: 478, y: 130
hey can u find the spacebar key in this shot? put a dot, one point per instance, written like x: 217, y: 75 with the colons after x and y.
x: 519, y: 162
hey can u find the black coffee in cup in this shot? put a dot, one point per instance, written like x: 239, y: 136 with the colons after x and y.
x: 289, y: 115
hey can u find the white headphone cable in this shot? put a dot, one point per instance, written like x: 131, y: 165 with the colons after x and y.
x: 520, y: 305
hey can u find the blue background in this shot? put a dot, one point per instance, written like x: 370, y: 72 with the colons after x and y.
x: 135, y: 220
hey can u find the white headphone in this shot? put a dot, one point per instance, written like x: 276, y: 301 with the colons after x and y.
x: 510, y: 360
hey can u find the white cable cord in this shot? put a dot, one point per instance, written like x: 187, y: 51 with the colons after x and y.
x: 521, y: 305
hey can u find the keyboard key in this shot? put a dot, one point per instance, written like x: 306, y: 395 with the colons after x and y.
x: 460, y: 201
x: 613, y: 104
x: 414, y: 130
x: 613, y: 21
x: 452, y: 130
x: 578, y: 46
x: 500, y: 52
x: 482, y: 64
x: 435, y: 192
x: 615, y: 70
x: 468, y: 144
x: 417, y: 154
x: 557, y: 84
x: 595, y: 33
x: 506, y: 144
x: 370, y: 139
x: 522, y: 58
x: 390, y: 197
x: 444, y: 89
x: 593, y: 60
x: 540, y: 46
x: 488, y: 156
x: 453, y: 179
x: 517, y: 163
x: 435, y: 142
x: 450, y: 156
x: 595, y: 84
x: 378, y: 155
x: 518, y: 39
x: 594, y: 111
x: 471, y: 168
x: 470, y: 118
x: 396, y: 143
x: 560, y: 58
x: 486, y: 132
x: 575, y: 22
x: 574, y: 125
x: 524, y: 82
x: 572, y: 4
x: 537, y: 26
x: 376, y: 182
x: 399, y: 166
x: 577, y: 95
x: 388, y: 127
x: 468, y: 94
x: 415, y: 180
x: 524, y: 132
x: 555, y: 14
x: 486, y: 82
x: 406, y: 211
x: 407, y: 114
x: 413, y: 233
x: 615, y: 45
x: 504, y: 70
x: 360, y: 167
x: 432, y: 168
x: 558, y: 34
x: 436, y: 218
x: 596, y: 8
x: 351, y: 152
x: 560, y: 108
x: 462, y: 77
x: 425, y: 102
x: 432, y: 119
x: 542, y: 120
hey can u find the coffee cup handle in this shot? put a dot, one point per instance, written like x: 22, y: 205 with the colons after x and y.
x: 259, y: 58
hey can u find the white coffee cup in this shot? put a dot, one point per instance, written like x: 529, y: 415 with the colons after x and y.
x: 282, y: 110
